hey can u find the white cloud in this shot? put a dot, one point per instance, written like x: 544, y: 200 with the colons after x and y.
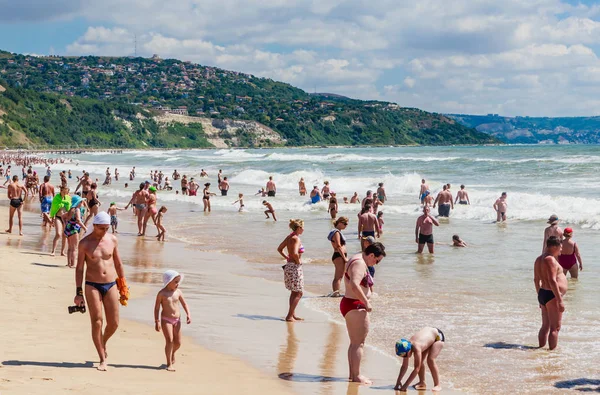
x: 513, y: 57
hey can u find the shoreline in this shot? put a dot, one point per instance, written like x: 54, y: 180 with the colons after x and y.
x: 46, y: 350
x: 232, y: 317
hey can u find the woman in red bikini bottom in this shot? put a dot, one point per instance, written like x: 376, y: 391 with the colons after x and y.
x: 569, y: 255
x: 355, y: 306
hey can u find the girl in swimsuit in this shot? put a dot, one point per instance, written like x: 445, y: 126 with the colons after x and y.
x: 159, y: 226
x: 292, y: 271
x: 73, y: 226
x: 340, y: 256
x: 206, y: 196
x: 61, y: 203
x: 570, y: 255
x: 152, y: 210
x: 93, y: 202
x: 355, y: 305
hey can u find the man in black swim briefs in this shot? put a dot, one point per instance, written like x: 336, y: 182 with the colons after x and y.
x: 15, y: 195
x: 550, y: 285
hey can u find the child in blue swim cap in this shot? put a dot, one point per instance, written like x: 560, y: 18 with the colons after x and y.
x: 424, y: 345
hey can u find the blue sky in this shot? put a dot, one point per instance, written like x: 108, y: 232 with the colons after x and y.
x: 514, y: 57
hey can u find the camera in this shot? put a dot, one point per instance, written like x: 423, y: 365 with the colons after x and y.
x: 75, y: 309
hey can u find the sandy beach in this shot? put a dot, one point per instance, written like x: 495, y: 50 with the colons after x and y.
x: 237, y: 331
x: 44, y: 350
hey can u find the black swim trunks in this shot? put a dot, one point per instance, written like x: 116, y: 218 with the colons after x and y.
x: 425, y: 239
x: 367, y: 233
x: 223, y: 192
x: 271, y: 193
x: 545, y: 295
x: 16, y: 203
x: 444, y: 210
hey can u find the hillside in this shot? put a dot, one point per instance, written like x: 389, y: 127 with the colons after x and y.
x: 156, y: 86
x: 529, y: 130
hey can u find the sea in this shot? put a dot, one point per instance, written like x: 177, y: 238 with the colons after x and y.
x: 482, y: 297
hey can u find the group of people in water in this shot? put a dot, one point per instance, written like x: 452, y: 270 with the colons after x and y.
x: 79, y: 212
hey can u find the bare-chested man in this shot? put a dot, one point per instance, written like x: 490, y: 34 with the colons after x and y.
x: 424, y: 230
x: 550, y: 285
x: 138, y: 199
x: 85, y: 183
x: 367, y: 223
x: 424, y: 188
x: 355, y: 199
x: 271, y: 188
x: 184, y: 185
x: 381, y: 194
x: 552, y: 230
x: 46, y: 196
x: 462, y: 197
x: 444, y: 202
x: 15, y: 195
x: 224, y: 186
x: 500, y: 206
x: 326, y: 190
x: 99, y: 251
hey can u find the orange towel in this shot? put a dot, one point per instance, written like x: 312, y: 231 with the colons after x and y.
x: 123, y: 290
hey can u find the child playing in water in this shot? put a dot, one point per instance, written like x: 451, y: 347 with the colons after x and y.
x: 269, y: 210
x: 159, y: 226
x: 425, y: 345
x: 261, y: 192
x: 457, y: 242
x: 168, y: 298
x: 380, y: 221
x: 241, y: 200
x: 114, y: 220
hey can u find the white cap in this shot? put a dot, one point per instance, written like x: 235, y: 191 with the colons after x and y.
x: 169, y: 276
x: 102, y: 218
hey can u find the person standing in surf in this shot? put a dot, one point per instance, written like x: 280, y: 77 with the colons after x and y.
x: 550, y: 285
x: 271, y: 188
x: 424, y: 188
x: 552, y: 230
x: 500, y: 206
x: 570, y: 255
x: 293, y: 273
x: 462, y: 197
x: 424, y: 230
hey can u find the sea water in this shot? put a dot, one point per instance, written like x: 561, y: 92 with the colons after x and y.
x: 482, y: 297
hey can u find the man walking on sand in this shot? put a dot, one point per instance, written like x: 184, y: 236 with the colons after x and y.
x: 46, y: 196
x: 271, y: 188
x: 551, y: 285
x: 99, y: 251
x: 15, y: 195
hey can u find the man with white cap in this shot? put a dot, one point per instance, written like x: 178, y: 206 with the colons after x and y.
x: 552, y: 230
x: 99, y: 250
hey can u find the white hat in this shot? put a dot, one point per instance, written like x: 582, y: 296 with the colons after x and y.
x: 169, y: 276
x: 102, y: 218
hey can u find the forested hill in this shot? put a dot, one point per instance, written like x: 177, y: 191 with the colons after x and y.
x: 155, y: 86
x: 535, y: 130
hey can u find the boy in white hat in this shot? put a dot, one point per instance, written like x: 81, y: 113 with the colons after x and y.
x: 169, y: 298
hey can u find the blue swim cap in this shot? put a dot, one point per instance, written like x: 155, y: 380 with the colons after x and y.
x: 403, y: 346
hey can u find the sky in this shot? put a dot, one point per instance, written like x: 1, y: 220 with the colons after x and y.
x: 510, y: 57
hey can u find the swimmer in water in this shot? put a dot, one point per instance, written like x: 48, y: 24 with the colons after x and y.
x: 241, y: 201
x: 457, y: 242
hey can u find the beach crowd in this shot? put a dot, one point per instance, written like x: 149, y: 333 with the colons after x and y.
x: 87, y: 229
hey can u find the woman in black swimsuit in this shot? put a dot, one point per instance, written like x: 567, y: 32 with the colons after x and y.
x: 93, y: 202
x: 206, y: 196
x: 340, y: 256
